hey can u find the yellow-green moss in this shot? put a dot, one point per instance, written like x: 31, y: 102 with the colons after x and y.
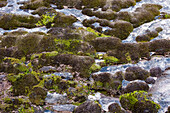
x: 95, y: 67
x: 110, y: 60
x: 96, y: 33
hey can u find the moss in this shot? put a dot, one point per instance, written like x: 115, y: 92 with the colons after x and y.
x: 24, y: 110
x: 110, y: 60
x: 167, y: 16
x: 67, y: 45
x: 128, y: 58
x: 95, y: 67
x: 96, y: 33
x: 46, y: 19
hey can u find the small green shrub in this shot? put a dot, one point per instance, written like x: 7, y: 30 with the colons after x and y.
x: 47, y: 18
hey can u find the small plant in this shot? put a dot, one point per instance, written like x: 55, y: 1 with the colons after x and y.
x: 47, y: 18
x: 167, y: 16
x: 128, y: 58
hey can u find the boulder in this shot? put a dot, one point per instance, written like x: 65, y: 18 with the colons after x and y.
x: 138, y: 102
x: 156, y: 72
x: 12, y: 21
x: 150, y: 80
x: 107, y: 81
x: 38, y: 95
x: 88, y: 107
x: 106, y: 43
x: 136, y: 86
x: 133, y: 73
x: 115, y: 108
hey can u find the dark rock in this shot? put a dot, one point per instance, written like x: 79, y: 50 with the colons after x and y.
x: 106, y: 43
x: 133, y: 73
x: 150, y: 80
x: 115, y: 108
x: 38, y: 95
x: 156, y: 72
x: 160, y: 46
x: 136, y: 86
x: 88, y: 107
x: 120, y: 29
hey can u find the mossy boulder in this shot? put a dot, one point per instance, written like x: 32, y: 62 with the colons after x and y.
x: 133, y: 73
x: 126, y: 52
x: 88, y: 107
x: 95, y: 67
x: 13, y: 65
x: 23, y: 83
x: 10, y: 104
x: 79, y: 63
x: 38, y: 95
x: 29, y: 43
x: 62, y: 18
x: 138, y: 102
x: 9, y: 41
x: 12, y: 21
x: 47, y: 43
x: 106, y: 81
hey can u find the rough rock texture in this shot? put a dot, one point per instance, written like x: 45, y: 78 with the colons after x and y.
x: 136, y: 86
x: 148, y: 35
x: 88, y: 107
x: 150, y: 80
x: 107, y: 81
x: 156, y: 72
x: 133, y: 73
x: 12, y: 21
x: 106, y: 43
x: 79, y: 63
x: 115, y: 108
